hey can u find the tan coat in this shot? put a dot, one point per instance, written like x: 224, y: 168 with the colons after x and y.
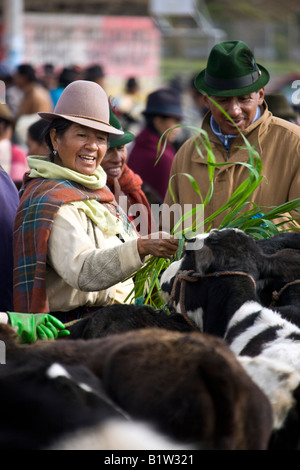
x: 278, y: 144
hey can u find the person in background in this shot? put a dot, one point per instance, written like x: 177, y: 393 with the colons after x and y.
x: 195, y: 107
x: 130, y: 104
x: 95, y: 73
x: 13, y: 94
x: 9, y: 201
x: 87, y: 248
x: 35, y: 142
x: 48, y: 77
x: 235, y: 83
x: 29, y: 327
x: 194, y: 110
x: 163, y: 111
x: 122, y: 181
x: 279, y: 106
x: 12, y: 156
x: 36, y: 98
x: 65, y: 77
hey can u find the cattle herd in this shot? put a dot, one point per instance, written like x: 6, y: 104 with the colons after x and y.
x: 217, y: 369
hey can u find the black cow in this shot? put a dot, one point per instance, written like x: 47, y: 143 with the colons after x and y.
x: 214, y: 285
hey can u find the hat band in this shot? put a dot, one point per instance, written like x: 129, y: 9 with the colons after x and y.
x: 232, y: 83
x: 89, y: 118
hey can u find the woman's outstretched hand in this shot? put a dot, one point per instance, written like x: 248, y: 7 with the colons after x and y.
x: 160, y: 244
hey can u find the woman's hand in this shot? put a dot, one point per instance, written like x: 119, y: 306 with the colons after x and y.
x: 160, y: 244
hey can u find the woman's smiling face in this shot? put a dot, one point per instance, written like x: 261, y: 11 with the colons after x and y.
x: 114, y: 161
x: 79, y: 148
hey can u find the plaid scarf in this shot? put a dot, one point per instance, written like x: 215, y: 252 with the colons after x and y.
x: 40, y: 200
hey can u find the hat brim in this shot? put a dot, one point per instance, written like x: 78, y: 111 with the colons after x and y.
x: 117, y: 141
x: 202, y: 86
x: 163, y: 112
x: 92, y: 123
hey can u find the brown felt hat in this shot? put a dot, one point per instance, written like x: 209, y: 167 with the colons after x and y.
x: 84, y: 103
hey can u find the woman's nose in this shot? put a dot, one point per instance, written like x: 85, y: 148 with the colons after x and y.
x: 92, y: 143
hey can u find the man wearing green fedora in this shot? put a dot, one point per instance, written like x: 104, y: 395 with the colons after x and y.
x: 234, y: 82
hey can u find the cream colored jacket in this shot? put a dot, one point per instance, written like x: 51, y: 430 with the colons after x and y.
x: 86, y: 266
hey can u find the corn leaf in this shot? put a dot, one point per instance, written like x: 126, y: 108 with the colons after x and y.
x: 238, y: 212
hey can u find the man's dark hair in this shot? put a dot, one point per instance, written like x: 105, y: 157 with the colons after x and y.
x: 26, y: 70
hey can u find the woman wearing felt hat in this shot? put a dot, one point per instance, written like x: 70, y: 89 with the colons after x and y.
x: 73, y: 244
x: 236, y: 83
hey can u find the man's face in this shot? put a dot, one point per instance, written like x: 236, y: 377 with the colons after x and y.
x: 241, y: 109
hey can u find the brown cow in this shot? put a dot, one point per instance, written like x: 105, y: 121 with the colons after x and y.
x: 189, y: 386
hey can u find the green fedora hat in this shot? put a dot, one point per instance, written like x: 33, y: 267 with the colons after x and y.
x: 118, y: 140
x: 231, y: 71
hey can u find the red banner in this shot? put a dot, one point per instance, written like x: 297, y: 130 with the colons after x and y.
x: 124, y: 46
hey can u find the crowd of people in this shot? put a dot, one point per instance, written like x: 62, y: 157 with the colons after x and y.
x: 71, y: 155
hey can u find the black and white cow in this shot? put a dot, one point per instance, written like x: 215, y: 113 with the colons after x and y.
x: 45, y: 402
x: 281, y: 296
x: 277, y: 294
x: 280, y: 241
x: 214, y: 285
x: 117, y: 318
x: 60, y: 404
x: 217, y: 277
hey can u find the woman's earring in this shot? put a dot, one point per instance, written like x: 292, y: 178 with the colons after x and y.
x: 54, y: 153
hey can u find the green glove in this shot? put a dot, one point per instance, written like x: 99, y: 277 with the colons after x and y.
x: 34, y: 326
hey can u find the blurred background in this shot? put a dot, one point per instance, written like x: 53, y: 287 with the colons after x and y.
x: 153, y: 40
x: 132, y: 47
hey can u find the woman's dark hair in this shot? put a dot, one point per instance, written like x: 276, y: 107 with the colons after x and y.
x: 60, y: 125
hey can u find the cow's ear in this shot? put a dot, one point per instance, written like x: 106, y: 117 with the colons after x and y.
x: 203, y: 259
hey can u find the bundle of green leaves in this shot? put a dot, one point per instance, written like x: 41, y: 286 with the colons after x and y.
x: 238, y: 212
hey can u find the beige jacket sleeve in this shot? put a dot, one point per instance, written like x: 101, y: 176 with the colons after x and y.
x: 3, y: 317
x: 84, y: 257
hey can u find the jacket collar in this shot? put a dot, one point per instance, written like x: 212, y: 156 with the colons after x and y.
x: 227, y: 139
x: 252, y: 133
